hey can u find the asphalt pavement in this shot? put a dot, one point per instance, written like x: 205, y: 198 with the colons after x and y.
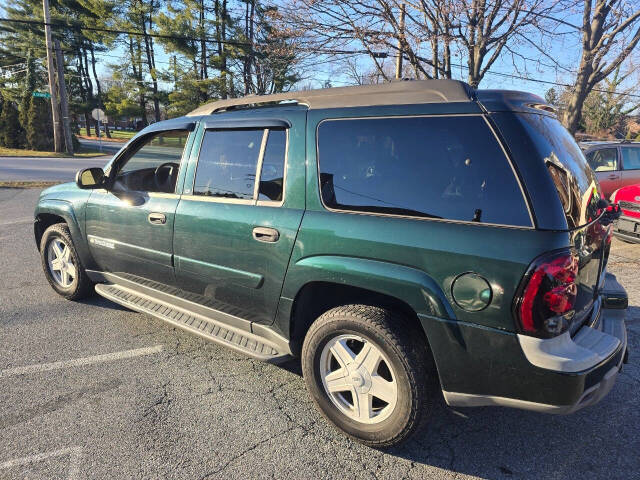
x: 92, y: 390
x: 54, y: 169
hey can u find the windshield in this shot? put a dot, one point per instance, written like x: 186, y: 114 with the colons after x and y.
x: 574, y: 179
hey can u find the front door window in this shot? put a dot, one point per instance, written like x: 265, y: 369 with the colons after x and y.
x: 153, y: 166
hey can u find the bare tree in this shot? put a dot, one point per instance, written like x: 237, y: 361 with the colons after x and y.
x: 610, y: 31
x: 477, y: 29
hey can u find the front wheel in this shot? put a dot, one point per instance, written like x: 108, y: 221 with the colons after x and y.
x: 368, y: 372
x: 61, y: 263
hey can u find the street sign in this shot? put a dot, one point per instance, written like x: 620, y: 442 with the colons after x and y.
x: 98, y: 114
x: 41, y: 94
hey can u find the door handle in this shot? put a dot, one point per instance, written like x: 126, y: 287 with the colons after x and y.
x: 157, y: 218
x: 266, y: 234
x: 614, y: 176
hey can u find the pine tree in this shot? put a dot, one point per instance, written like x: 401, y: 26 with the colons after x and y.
x: 40, y: 125
x: 11, y: 133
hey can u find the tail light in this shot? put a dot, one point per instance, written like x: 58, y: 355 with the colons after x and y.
x: 544, y: 306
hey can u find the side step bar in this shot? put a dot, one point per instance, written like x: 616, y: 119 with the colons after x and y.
x: 235, y: 338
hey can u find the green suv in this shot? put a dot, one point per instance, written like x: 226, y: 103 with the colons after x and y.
x: 396, y: 237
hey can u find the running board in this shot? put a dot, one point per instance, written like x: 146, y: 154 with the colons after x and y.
x: 235, y: 338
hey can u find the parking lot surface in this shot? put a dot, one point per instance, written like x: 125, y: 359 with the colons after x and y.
x: 92, y: 390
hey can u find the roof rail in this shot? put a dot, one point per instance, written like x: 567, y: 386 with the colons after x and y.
x: 393, y: 93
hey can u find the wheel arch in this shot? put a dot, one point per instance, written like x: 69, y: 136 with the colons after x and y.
x: 49, y: 212
x: 317, y: 284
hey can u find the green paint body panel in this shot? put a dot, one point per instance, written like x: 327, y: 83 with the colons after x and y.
x: 206, y: 248
x: 216, y: 256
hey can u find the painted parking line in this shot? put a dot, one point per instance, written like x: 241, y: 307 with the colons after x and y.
x: 17, y: 222
x: 75, y: 454
x: 79, y: 362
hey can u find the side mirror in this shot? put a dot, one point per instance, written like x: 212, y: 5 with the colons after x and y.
x: 90, y: 178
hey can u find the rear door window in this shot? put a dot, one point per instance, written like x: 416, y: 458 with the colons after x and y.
x: 630, y: 158
x: 227, y: 163
x: 272, y: 176
x: 435, y: 167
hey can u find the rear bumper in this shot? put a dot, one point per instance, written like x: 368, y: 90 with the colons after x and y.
x: 589, y: 386
x: 558, y: 376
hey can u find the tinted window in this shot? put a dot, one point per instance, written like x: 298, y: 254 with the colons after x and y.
x: 439, y: 167
x: 604, y: 160
x: 142, y: 172
x: 574, y: 180
x: 631, y: 158
x: 227, y: 163
x: 272, y: 176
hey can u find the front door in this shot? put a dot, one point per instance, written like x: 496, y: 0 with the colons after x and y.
x: 235, y: 231
x: 607, y: 167
x: 130, y: 224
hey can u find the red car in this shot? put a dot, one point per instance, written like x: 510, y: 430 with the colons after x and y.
x: 628, y: 225
x: 617, y: 164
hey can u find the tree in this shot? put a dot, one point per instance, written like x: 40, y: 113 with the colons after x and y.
x: 610, y: 31
x: 11, y: 132
x: 29, y: 88
x: 39, y: 125
x: 605, y: 111
x: 432, y: 29
x: 27, y: 94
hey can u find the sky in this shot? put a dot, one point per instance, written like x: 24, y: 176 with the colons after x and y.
x: 565, y: 50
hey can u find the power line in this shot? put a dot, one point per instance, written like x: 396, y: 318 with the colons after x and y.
x: 180, y: 37
x: 319, y: 51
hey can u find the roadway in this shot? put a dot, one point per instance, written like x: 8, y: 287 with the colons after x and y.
x: 52, y: 169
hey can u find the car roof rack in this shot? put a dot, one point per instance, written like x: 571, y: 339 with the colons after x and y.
x: 393, y: 93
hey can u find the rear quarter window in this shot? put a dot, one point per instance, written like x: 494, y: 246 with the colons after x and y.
x: 574, y: 179
x: 435, y: 167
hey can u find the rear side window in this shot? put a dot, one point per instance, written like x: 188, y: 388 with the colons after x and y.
x: 630, y: 158
x: 437, y: 167
x: 229, y: 160
x: 604, y: 160
x: 272, y: 177
x: 575, y: 182
x: 227, y: 163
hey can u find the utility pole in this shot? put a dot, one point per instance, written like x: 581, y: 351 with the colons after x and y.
x: 400, y: 41
x: 57, y: 137
x: 64, y: 104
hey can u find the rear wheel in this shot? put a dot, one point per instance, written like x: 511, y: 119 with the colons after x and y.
x: 61, y: 263
x: 368, y: 372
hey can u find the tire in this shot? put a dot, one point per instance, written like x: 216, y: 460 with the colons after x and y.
x: 77, y: 284
x: 404, y: 364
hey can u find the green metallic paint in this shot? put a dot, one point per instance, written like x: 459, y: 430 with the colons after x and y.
x: 216, y: 254
x: 220, y: 273
x: 139, y: 247
x: 68, y: 201
x: 471, y: 292
x: 412, y: 286
x: 478, y: 360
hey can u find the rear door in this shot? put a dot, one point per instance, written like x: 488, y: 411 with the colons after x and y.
x: 631, y: 165
x: 605, y: 163
x: 237, y: 221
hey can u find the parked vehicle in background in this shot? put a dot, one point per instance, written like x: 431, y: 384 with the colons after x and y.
x: 628, y: 225
x: 400, y: 238
x: 617, y: 164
